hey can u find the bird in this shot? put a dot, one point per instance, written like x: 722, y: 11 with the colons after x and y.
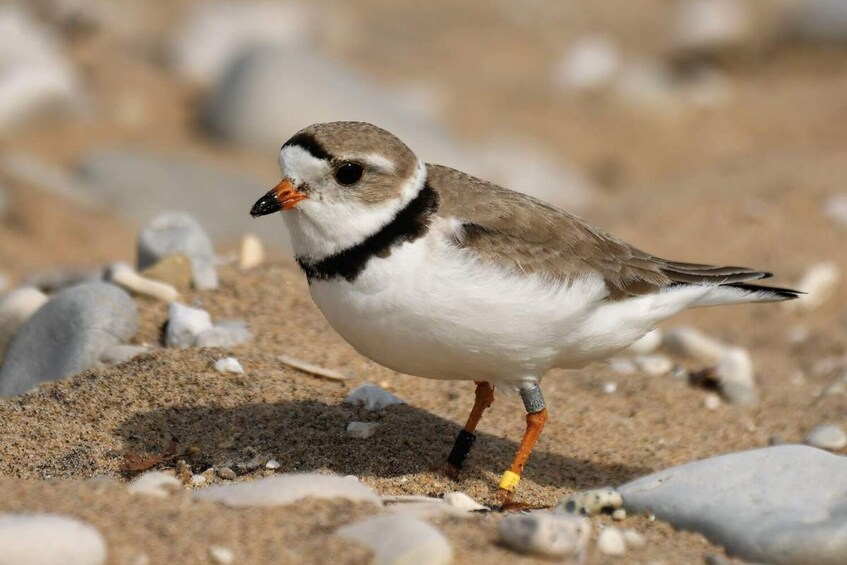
x: 438, y: 274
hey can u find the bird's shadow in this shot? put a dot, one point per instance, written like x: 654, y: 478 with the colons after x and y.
x: 304, y: 435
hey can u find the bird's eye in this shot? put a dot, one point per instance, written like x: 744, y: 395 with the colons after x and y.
x: 348, y: 173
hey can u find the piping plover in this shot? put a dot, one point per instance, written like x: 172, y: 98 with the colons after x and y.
x: 435, y: 273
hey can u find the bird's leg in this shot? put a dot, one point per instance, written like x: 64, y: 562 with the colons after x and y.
x: 484, y: 397
x: 536, y: 416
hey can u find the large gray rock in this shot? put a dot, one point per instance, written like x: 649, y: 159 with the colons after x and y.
x: 399, y: 540
x: 140, y: 185
x: 46, y: 539
x: 177, y: 233
x: 782, y: 505
x: 67, y: 335
x: 271, y: 92
x: 35, y: 80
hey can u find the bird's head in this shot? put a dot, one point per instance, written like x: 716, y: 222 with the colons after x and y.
x: 341, y: 182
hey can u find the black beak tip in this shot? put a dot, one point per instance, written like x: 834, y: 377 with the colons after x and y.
x: 267, y: 204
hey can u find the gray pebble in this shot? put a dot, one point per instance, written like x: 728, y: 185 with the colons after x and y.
x: 174, y: 233
x: 67, y: 335
x: 828, y: 436
x: 185, y: 324
x: 372, y: 397
x: 545, y: 534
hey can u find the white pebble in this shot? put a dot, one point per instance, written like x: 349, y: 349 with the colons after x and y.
x: 712, y: 401
x: 648, y: 344
x: 654, y: 365
x: 611, y: 541
x: 252, y: 251
x: 633, y: 538
x: 550, y: 535
x: 736, y: 377
x: 461, y: 501
x: 125, y: 276
x: 372, y: 397
x: 619, y: 515
x: 820, y: 283
x: 15, y: 309
x: 155, y: 483
x: 221, y: 555
x: 229, y: 365
x: 827, y: 436
x: 610, y: 387
x: 272, y: 464
x: 693, y: 344
x: 46, y: 539
x: 198, y: 480
x: 589, y: 64
x: 361, y: 430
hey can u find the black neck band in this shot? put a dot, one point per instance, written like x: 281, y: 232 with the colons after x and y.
x: 408, y: 224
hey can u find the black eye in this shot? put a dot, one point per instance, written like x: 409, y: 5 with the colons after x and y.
x: 348, y: 173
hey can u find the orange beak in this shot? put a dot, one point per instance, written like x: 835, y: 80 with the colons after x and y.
x: 283, y: 196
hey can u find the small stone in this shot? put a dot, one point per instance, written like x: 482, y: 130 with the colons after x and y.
x: 174, y: 270
x: 226, y: 473
x: 619, y: 515
x: 633, y: 538
x: 67, y: 335
x: 736, y: 377
x: 820, y: 282
x: 654, y: 365
x: 712, y: 401
x: 272, y: 464
x: 590, y: 502
x: 361, y: 430
x: 179, y: 233
x: 125, y: 276
x: 155, y: 483
x: 229, y: 365
x: 400, y: 539
x: 252, y: 252
x: 372, y: 397
x: 544, y: 534
x: 224, y: 335
x: 197, y: 480
x: 827, y: 436
x: 49, y: 539
x: 279, y: 490
x: 221, y: 555
x: 693, y: 344
x: 117, y: 354
x: 185, y: 324
x: 16, y: 308
x: 610, y: 387
x: 611, y: 542
x: 461, y: 501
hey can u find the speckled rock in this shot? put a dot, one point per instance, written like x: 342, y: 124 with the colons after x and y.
x: 399, y: 539
x: 372, y: 397
x: 67, y: 335
x: 546, y: 534
x: 47, y: 539
x: 174, y: 233
x: 288, y: 488
x: 827, y: 436
x: 781, y: 505
x: 590, y: 502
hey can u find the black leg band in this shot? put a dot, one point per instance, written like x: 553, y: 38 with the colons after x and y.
x: 463, y: 445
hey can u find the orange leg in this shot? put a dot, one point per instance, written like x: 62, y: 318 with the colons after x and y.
x: 484, y: 397
x: 536, y: 417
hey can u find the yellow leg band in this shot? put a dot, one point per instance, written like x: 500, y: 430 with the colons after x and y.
x: 510, y: 481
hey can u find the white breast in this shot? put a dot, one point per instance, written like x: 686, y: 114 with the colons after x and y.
x: 434, y: 311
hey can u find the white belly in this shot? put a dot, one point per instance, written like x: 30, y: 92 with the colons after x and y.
x: 429, y: 310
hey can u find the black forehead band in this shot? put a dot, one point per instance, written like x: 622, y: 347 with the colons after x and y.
x: 309, y: 143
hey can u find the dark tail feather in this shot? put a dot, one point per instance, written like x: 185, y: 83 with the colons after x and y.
x: 776, y: 293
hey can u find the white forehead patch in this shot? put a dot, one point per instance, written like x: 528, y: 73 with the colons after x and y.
x: 301, y: 166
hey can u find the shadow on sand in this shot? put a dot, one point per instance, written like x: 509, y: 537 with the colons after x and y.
x: 306, y: 435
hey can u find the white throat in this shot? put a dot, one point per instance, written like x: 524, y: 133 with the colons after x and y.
x: 320, y: 228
